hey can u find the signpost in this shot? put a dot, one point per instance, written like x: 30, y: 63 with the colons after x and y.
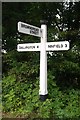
x: 50, y: 46
x: 57, y: 46
x: 28, y: 47
x: 29, y: 29
x: 43, y: 46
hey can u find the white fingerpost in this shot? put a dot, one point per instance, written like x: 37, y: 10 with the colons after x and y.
x: 43, y: 46
x: 43, y: 63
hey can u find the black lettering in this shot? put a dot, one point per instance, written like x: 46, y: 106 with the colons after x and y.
x: 28, y: 27
x: 25, y: 26
x: 20, y: 47
x: 34, y: 31
x: 33, y: 46
x: 37, y: 46
x: 32, y: 28
x: 58, y: 46
x: 51, y: 46
x: 22, y: 25
x: 65, y: 45
x: 29, y: 47
x: 61, y: 45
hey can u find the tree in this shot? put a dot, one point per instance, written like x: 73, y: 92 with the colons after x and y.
x: 21, y: 70
x: 63, y: 24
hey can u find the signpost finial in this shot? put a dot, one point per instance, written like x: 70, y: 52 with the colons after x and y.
x: 44, y: 22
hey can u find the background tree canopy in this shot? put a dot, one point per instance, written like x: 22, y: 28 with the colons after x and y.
x: 23, y: 68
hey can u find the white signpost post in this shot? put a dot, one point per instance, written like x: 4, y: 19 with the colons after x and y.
x: 43, y: 46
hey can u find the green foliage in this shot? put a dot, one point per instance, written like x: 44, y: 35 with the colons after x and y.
x: 21, y: 99
x: 67, y: 73
x: 21, y: 70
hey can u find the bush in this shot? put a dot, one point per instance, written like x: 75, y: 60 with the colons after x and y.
x: 21, y: 90
x: 22, y: 99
